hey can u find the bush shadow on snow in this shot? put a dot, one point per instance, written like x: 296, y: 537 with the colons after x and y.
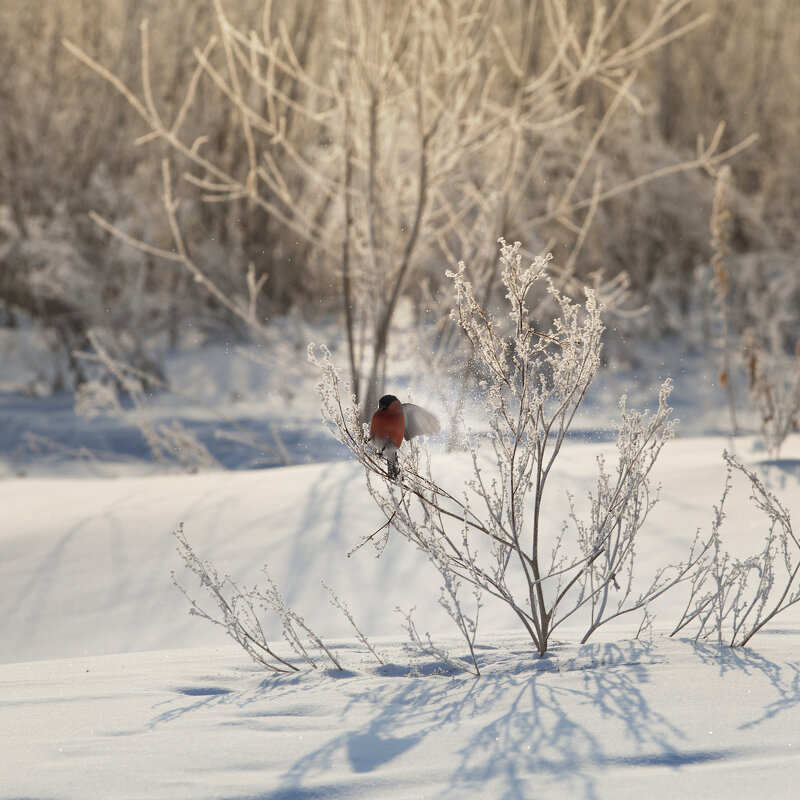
x: 585, y: 711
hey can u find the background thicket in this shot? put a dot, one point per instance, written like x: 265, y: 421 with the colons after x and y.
x: 369, y: 146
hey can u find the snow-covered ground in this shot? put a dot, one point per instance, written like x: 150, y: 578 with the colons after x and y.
x: 110, y: 689
x: 607, y: 720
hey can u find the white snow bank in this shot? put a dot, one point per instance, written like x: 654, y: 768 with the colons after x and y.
x: 85, y: 565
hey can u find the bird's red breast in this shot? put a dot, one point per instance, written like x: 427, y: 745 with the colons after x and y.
x: 388, y: 424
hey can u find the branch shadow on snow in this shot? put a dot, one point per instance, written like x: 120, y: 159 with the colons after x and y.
x: 748, y: 662
x: 560, y: 723
x: 526, y: 726
x: 780, y: 473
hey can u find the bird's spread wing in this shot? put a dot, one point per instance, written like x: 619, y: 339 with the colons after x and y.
x: 419, y: 421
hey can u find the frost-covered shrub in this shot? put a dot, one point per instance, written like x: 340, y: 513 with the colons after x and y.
x: 768, y: 300
x: 757, y: 300
x: 491, y: 534
x: 239, y: 614
x: 239, y: 611
x: 733, y: 599
x: 322, y: 166
x: 774, y: 381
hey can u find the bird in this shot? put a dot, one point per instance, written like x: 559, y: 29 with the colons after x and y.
x: 394, y: 421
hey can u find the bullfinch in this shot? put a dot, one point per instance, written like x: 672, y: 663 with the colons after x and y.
x: 394, y: 421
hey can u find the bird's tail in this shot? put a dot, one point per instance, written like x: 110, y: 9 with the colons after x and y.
x: 392, y: 467
x: 388, y: 450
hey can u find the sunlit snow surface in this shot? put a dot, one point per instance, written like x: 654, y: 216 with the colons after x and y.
x: 606, y: 720
x: 109, y: 689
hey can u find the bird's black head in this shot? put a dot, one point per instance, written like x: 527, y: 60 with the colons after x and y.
x: 386, y: 401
